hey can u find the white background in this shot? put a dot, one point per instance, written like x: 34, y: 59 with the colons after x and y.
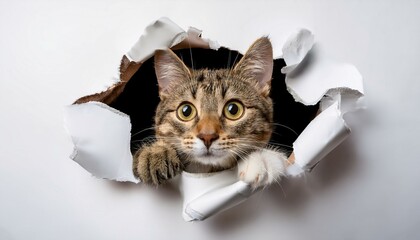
x: 52, y: 52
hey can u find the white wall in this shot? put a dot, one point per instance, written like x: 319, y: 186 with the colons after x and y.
x: 53, y: 52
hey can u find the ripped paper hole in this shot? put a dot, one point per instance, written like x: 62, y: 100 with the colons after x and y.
x: 316, y: 85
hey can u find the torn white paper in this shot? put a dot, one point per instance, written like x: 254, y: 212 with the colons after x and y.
x: 311, y: 75
x: 207, y: 194
x: 312, y: 78
x: 330, y: 131
x: 309, y: 78
x: 159, y: 35
x: 216, y: 201
x: 102, y: 150
x: 296, y: 48
x: 195, y: 187
x: 164, y: 34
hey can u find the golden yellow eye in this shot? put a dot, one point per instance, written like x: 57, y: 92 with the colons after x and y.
x: 186, y: 112
x: 233, y: 110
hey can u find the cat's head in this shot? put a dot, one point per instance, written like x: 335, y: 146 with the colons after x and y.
x: 214, y: 116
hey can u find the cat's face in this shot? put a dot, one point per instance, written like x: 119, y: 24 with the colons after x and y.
x: 213, y: 116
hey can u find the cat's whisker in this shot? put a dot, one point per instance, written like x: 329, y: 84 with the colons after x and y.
x: 228, y: 63
x: 150, y: 137
x: 233, y: 64
x: 278, y: 182
x: 284, y: 126
x: 270, y: 144
x: 275, y: 145
x: 237, y: 154
x: 146, y: 129
x: 191, y: 55
x: 166, y: 140
x: 250, y: 144
x: 146, y: 140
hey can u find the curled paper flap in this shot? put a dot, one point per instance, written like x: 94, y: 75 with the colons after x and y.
x: 319, y: 138
x: 216, y: 201
x: 208, y: 194
x: 310, y: 75
x: 296, y: 48
x: 348, y: 99
x: 205, y: 195
x: 194, y: 40
x: 195, y: 185
x: 101, y: 138
x: 163, y: 34
x: 159, y: 35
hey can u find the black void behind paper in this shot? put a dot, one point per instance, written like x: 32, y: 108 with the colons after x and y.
x: 140, y: 97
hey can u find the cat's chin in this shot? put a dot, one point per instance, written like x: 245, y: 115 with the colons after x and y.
x: 214, y: 160
x: 209, y: 159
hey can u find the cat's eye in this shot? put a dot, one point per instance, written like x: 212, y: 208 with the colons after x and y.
x: 186, y: 112
x: 233, y: 110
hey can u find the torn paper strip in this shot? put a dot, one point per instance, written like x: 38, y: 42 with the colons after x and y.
x: 216, y: 201
x: 309, y: 149
x: 195, y: 186
x: 208, y: 194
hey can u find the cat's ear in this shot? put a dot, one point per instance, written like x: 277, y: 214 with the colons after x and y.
x: 169, y: 70
x: 257, y: 64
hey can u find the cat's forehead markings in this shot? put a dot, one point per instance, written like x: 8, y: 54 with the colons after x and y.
x: 210, y: 83
x: 193, y: 89
x: 200, y: 77
x: 224, y: 90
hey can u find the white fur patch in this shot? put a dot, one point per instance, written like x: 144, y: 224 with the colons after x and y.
x: 218, y: 156
x: 261, y: 168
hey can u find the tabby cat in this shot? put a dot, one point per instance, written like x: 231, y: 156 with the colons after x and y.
x: 211, y: 120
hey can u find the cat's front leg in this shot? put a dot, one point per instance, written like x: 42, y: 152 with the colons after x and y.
x: 262, y: 167
x: 156, y: 163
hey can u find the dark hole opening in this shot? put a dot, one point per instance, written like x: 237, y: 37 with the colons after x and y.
x: 140, y: 97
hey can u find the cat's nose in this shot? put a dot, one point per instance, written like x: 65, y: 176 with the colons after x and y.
x: 208, y: 139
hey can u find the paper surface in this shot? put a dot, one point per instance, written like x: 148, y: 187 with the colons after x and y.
x: 309, y: 78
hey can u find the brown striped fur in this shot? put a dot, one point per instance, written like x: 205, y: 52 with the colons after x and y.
x: 181, y: 145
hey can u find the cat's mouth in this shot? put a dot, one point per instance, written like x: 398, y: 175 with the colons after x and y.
x: 210, y: 154
x: 213, y: 158
x: 207, y: 154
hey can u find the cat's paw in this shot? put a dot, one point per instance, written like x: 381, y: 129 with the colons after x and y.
x: 261, y: 168
x: 155, y: 164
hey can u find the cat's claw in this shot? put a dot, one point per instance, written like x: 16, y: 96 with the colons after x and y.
x: 155, y: 164
x: 261, y: 168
